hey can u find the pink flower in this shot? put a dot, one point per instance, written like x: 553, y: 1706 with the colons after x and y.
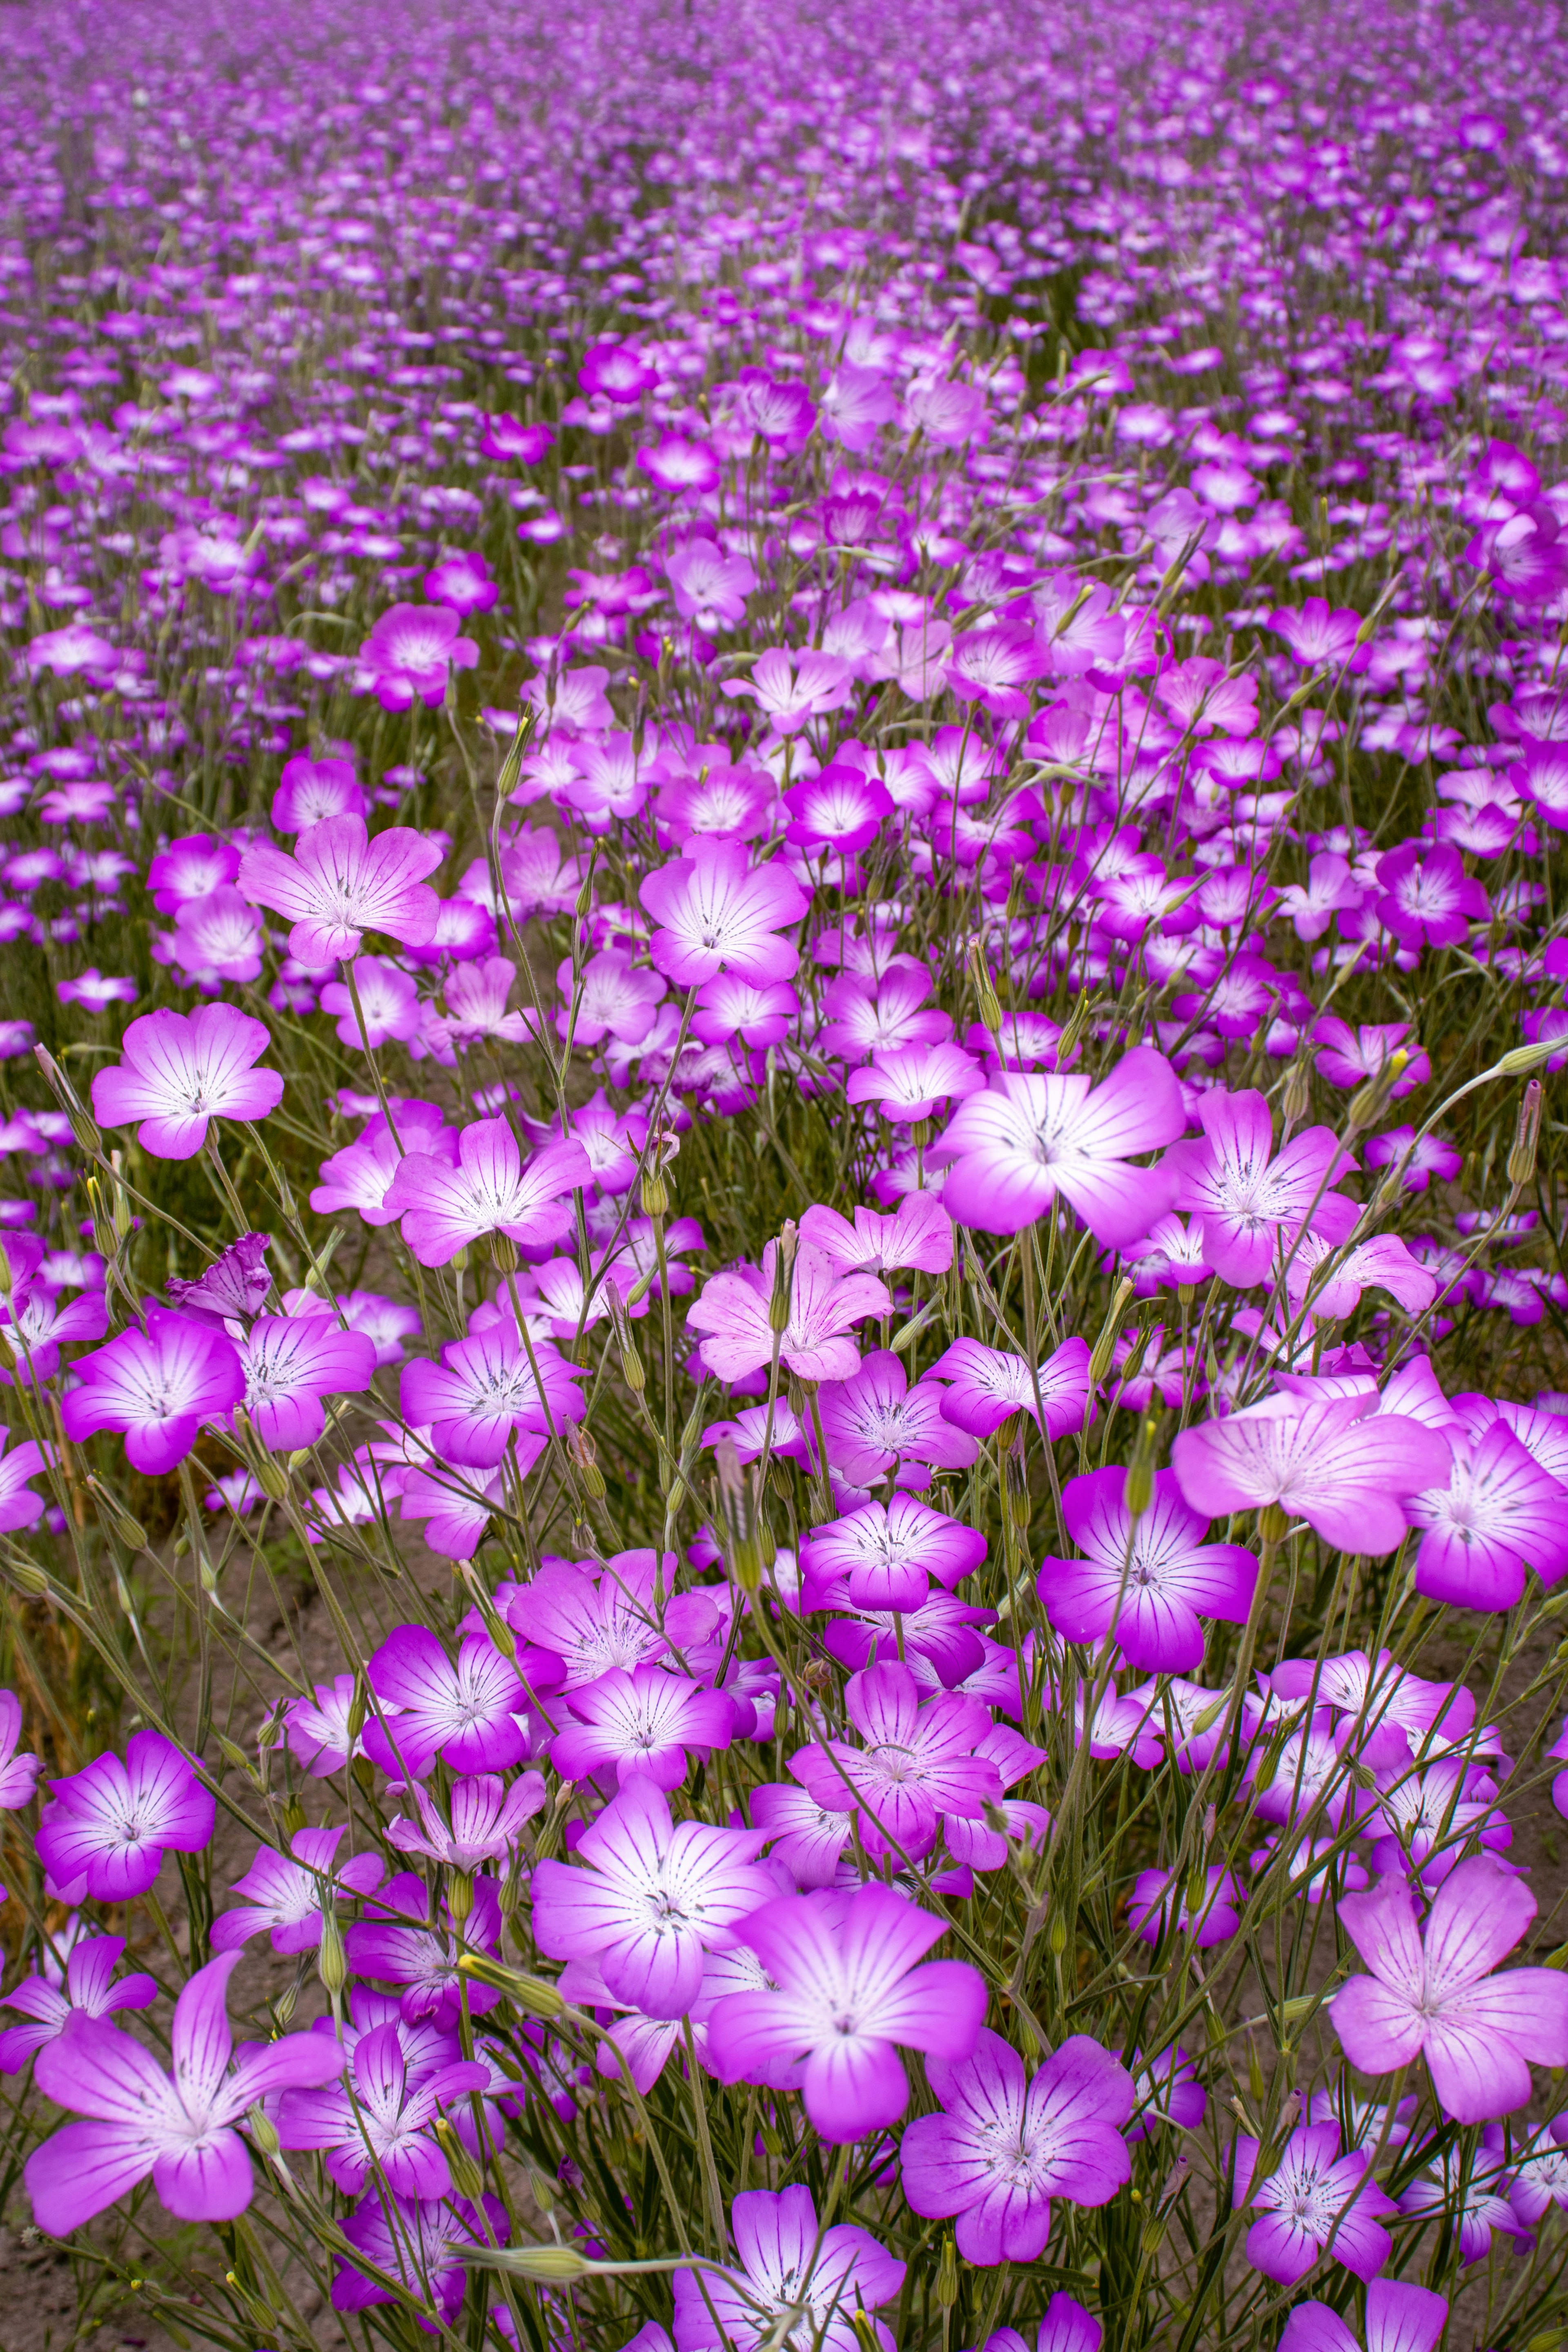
x: 105, y: 1829
x: 875, y: 1423
x: 359, y: 1175
x: 157, y: 1386
x: 732, y: 1313
x: 1436, y: 1996
x: 485, y: 1388
x: 791, y: 688
x: 849, y: 1992
x: 443, y: 1207
x: 1322, y: 637
x: 641, y: 1722
x: 1427, y: 897
x: 800, y: 2288
x: 915, y: 1081
x: 916, y: 1761
x: 1148, y: 1581
x: 1315, y: 2201
x: 1011, y: 1150
x: 1250, y: 1201
x: 407, y: 655
x: 311, y: 791
x: 717, y: 912
x: 918, y: 1233
x: 1334, y: 1461
x: 340, y: 883
x: 1497, y: 1510
x: 284, y: 1895
x: 291, y: 1362
x: 710, y: 587
x: 183, y: 1070
x: 54, y: 2000
x: 388, y: 1005
x: 469, y: 1710
x: 985, y: 1387
x: 1400, y: 2318
x: 1350, y: 1057
x: 889, y: 1551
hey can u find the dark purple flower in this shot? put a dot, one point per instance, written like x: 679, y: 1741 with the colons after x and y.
x: 158, y: 1386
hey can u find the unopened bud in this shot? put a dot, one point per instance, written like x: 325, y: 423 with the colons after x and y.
x: 272, y: 1477
x: 783, y: 1299
x: 1272, y: 1524
x: 130, y: 1530
x: 1514, y: 1064
x: 460, y: 1898
x: 293, y: 1817
x: 655, y: 1194
x: 947, y: 2275
x: 1297, y: 1100
x: 503, y: 1253
x: 738, y: 1509
x: 558, y: 2265
x: 1526, y: 1137
x: 985, y: 996
x: 1056, y: 1935
x: 532, y: 1994
x: 579, y: 1446
x: 468, y: 2176
x: 332, y: 1962
x: 1367, y: 1102
x: 1140, y: 1491
x: 263, y: 2131
x: 1104, y: 1346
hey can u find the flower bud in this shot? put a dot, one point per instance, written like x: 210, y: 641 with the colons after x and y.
x: 1273, y: 1525
x: 579, y: 1446
x: 503, y: 1253
x: 130, y: 1530
x: 331, y: 1961
x: 655, y: 1193
x: 460, y: 1896
x: 263, y: 2131
x: 558, y: 2265
x: 946, y: 2276
x: 985, y: 997
x: 1104, y: 1346
x: 1297, y: 1099
x: 1141, y: 1470
x: 468, y: 2175
x: 532, y: 1994
x: 782, y: 1297
x: 293, y: 1817
x: 1526, y: 1137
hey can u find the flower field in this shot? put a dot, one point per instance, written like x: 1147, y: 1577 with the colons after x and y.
x: 784, y: 1516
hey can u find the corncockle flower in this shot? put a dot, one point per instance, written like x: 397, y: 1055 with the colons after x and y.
x: 178, y: 2127
x: 396, y: 1942
x: 731, y: 1313
x: 640, y: 1722
x: 868, y: 1014
x: 59, y: 1997
x: 1384, y: 1263
x: 157, y: 1386
x: 291, y: 1363
x: 445, y: 1206
x: 19, y: 1506
x: 1539, y: 2172
x: 1497, y: 1512
x: 715, y: 911
x: 730, y: 1007
x: 1169, y: 1254
x: 483, y: 1823
x: 340, y: 883
x: 463, y: 584
x: 1307, y: 1765
x: 470, y: 1711
x: 1145, y: 1582
x: 1348, y: 1058
x: 874, y: 1423
x: 1007, y: 2142
x: 1249, y: 1199
x: 485, y: 1389
x: 888, y: 1552
x: 1399, y: 2318
x: 477, y: 998
x: 849, y: 1992
x: 1427, y: 897
x: 318, y: 1727
x: 311, y: 791
x: 1160, y: 1905
x: 1429, y: 1817
x: 1480, y: 2033
x: 383, y: 2124
x: 581, y: 1620
x: 917, y: 1762
x: 608, y: 998
x: 284, y: 1895
x: 1315, y: 2201
x: 1310, y: 1868
x: 18, y: 1773
x: 710, y: 584
x: 803, y: 1835
x: 1346, y: 1469
x: 105, y: 1829
x: 1165, y: 2091
x: 1320, y: 636
x: 842, y: 808
x: 1066, y: 2327
x: 1398, y: 1715
x: 423, y: 2243
x: 408, y: 653
x: 799, y: 2287
x: 986, y: 1388
x: 231, y: 1290
x: 387, y: 1005
x: 181, y: 1071
x: 1009, y: 1151
x: 358, y: 1176
x: 918, y: 1233
x: 215, y: 940
x: 648, y: 1898
x: 1470, y: 2200
x: 913, y: 1081
x: 1330, y: 889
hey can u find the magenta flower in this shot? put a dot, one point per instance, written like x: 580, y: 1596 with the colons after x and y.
x: 1250, y: 1201
x: 484, y: 1820
x: 789, y: 688
x: 1315, y: 2201
x: 798, y: 2286
x: 181, y: 1070
x: 732, y: 1313
x: 1007, y: 2142
x: 985, y: 1387
x: 340, y: 883
x: 875, y: 1423
x: 916, y: 1761
x: 889, y: 1552
x: 1160, y: 1905
x: 1320, y: 636
x: 648, y: 1898
x: 58, y: 1998
x: 1011, y: 1150
x: 179, y: 2127
x: 398, y: 1943
x: 842, y: 809
x: 232, y: 1289
x: 1498, y: 1512
x: 157, y: 1386
x: 311, y: 791
x: 718, y: 912
x: 709, y: 585
x: 918, y: 1233
x: 424, y: 2244
x: 1399, y: 2318
x: 358, y: 1176
x: 470, y: 1711
x: 382, y: 2124
x: 318, y: 1727
x: 18, y: 1773
x: 641, y: 1722
x: 1333, y: 1461
x: 293, y: 1361
x: 19, y: 1506
x: 484, y: 1389
x: 1148, y: 1581
x: 407, y: 655
x: 489, y: 1190
x: 105, y: 1829
x: 849, y: 1994
x: 1348, y: 1056
x: 914, y: 1082
x: 284, y: 1895
x: 1427, y: 897
x: 1066, y: 2327
x: 1438, y: 1997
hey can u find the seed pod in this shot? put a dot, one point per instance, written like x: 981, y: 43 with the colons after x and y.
x: 1099, y: 1357
x: 503, y: 1253
x: 331, y: 1961
x: 946, y: 2276
x: 1526, y: 1137
x: 782, y: 1299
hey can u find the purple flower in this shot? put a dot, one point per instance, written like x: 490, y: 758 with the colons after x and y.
x: 1149, y: 1580
x: 318, y: 1726
x: 889, y: 1551
x: 285, y: 1895
x: 1167, y: 2092
x: 1498, y: 1510
x: 985, y: 1387
x: 397, y: 1942
x: 1007, y: 2142
x: 1248, y: 1200
x: 1345, y: 1468
x: 179, y: 2127
x: 1479, y: 2034
x: 1011, y: 1150
x: 311, y: 791
x: 409, y: 652
x: 1427, y: 897
x: 233, y: 1289
x: 875, y: 1423
x: 1469, y: 2198
x: 1399, y: 2318
x: 359, y: 1175
x: 717, y: 912
x: 1350, y: 1057
x: 443, y: 1207
x: 18, y: 1773
x: 1315, y: 2201
x: 19, y: 1506
x: 422, y: 2244
x: 382, y: 2123
x: 58, y: 1998
x: 1160, y: 1905
x: 917, y: 1762
x: 1066, y: 2327
x: 731, y: 1313
x: 848, y: 1994
x: 470, y: 1711
x: 640, y: 1722
x: 484, y: 1820
x: 291, y: 1362
x: 798, y: 2285
x: 918, y: 1233
x: 105, y: 1829
x: 648, y: 1898
x: 484, y: 1389
x: 158, y: 1386
x: 340, y: 883
x: 181, y: 1070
